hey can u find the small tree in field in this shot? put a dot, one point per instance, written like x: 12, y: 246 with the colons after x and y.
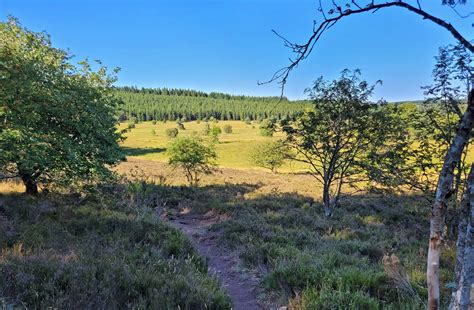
x: 227, y: 129
x: 193, y: 156
x: 215, y: 132
x: 269, y: 155
x: 172, y: 132
x: 57, y: 121
x: 346, y: 139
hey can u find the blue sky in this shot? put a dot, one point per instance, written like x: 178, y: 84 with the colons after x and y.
x: 227, y: 45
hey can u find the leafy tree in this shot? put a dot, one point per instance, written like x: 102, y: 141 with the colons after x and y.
x: 57, y: 121
x: 267, y: 127
x: 193, y: 156
x: 270, y: 155
x: 172, y: 132
x: 347, y: 140
x: 338, y: 11
x: 440, y: 114
x: 227, y: 129
x: 215, y: 132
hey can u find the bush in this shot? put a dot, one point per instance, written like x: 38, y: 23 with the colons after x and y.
x: 193, y: 156
x: 227, y: 129
x: 154, y: 122
x: 172, y: 132
x: 153, y: 132
x: 269, y: 155
x: 248, y: 121
x: 130, y: 125
x: 216, y: 130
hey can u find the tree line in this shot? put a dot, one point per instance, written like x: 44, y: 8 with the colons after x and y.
x: 161, y: 104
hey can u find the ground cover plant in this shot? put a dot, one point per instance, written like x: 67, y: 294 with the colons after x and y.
x: 370, y: 255
x: 101, y: 250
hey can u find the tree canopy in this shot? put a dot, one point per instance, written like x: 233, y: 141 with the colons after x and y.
x: 193, y: 156
x: 57, y: 120
x: 346, y: 139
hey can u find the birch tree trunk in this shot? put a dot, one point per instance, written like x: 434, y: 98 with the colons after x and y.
x: 444, y: 191
x: 463, y: 297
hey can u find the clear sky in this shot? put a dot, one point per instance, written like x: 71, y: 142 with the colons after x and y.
x: 227, y: 45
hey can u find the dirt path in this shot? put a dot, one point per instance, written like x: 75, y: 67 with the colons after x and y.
x: 241, y: 285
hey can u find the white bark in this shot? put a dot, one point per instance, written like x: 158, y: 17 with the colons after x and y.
x: 463, y: 297
x: 443, y: 193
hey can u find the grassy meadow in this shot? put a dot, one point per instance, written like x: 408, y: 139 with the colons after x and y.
x: 149, y: 141
x: 233, y: 150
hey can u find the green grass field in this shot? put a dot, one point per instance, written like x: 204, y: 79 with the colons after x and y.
x: 233, y: 149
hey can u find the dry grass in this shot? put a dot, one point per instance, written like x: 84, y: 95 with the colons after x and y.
x: 11, y: 187
x: 159, y: 172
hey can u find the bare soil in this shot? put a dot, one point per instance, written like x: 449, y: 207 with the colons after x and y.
x: 239, y: 283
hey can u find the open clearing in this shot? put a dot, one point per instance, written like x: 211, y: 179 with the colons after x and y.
x: 233, y: 150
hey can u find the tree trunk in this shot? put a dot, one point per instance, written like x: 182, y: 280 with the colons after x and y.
x: 444, y: 191
x: 328, y: 209
x: 463, y: 297
x: 30, y: 184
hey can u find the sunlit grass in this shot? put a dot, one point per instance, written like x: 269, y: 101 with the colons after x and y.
x: 11, y: 187
x: 233, y: 149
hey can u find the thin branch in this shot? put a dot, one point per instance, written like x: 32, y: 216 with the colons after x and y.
x: 302, y: 51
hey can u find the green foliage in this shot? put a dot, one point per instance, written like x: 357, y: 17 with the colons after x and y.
x: 103, y: 253
x: 435, y: 123
x: 154, y: 122
x: 215, y: 132
x: 269, y: 155
x: 227, y: 129
x: 172, y: 132
x: 165, y: 104
x: 312, y: 259
x: 193, y: 156
x: 59, y: 125
x: 329, y: 299
x: 267, y: 127
x: 323, y: 259
x: 346, y: 136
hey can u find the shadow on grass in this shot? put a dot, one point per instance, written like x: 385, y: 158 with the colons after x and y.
x: 132, y: 151
x: 285, y: 234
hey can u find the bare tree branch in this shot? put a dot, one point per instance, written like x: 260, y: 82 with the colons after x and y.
x: 302, y: 51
